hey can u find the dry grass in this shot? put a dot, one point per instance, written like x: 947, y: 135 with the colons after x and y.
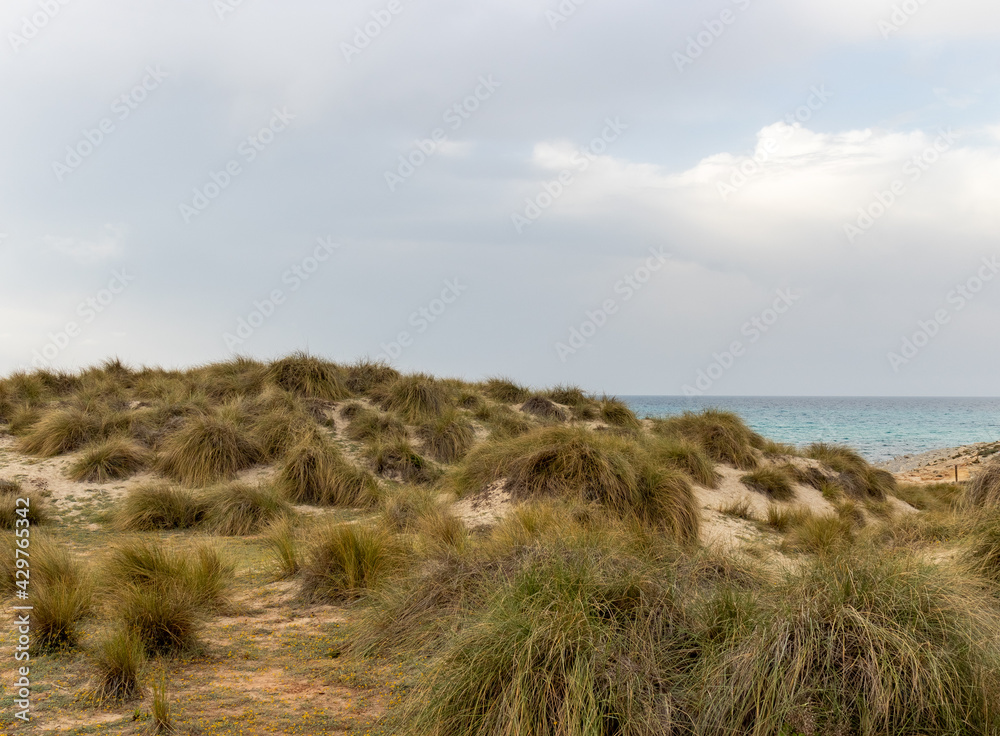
x: 984, y: 490
x: 314, y: 472
x: 722, y: 435
x: 770, y: 481
x: 347, y: 560
x: 210, y: 448
x: 448, y: 437
x: 309, y: 377
x: 113, y: 459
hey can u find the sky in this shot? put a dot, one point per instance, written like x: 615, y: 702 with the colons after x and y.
x: 737, y: 197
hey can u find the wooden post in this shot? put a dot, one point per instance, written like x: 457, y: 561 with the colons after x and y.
x: 956, y: 474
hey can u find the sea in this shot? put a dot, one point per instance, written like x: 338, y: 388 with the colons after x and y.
x: 880, y: 428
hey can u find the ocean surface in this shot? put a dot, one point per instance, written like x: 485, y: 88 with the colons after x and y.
x: 879, y: 428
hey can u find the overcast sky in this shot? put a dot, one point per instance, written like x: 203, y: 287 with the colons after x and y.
x: 735, y: 197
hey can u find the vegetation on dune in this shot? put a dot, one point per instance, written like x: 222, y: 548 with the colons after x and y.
x: 771, y: 481
x: 61, y: 597
x: 119, y: 660
x: 856, y: 477
x: 113, y: 459
x: 398, y: 458
x: 11, y: 510
x: 447, y: 437
x: 365, y: 376
x: 414, y: 398
x: 60, y: 431
x: 565, y: 462
x: 543, y: 408
x: 346, y: 560
x: 314, y: 472
x: 163, y: 595
x: 236, y: 509
x: 371, y: 425
x: 862, y: 643
x: 721, y: 434
x: 310, y: 377
x: 209, y: 448
x: 159, y: 506
x: 505, y: 390
x: 616, y: 413
x: 984, y: 490
x: 502, y: 420
x: 684, y: 455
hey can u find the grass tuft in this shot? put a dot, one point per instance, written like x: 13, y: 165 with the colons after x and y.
x: 448, y: 437
x: 984, y: 490
x: 209, y: 448
x: 159, y: 507
x: 60, y: 431
x: 347, y: 560
x: 721, y: 434
x: 113, y: 459
x: 415, y: 398
x: 309, y: 377
x: 119, y: 660
x: 505, y: 390
x: 314, y: 472
x: 770, y: 481
x: 238, y: 509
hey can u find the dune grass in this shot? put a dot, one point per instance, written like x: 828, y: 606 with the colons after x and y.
x: 365, y: 376
x: 502, y: 420
x: 984, y: 490
x: 119, y: 660
x: 398, y: 458
x: 309, y: 377
x: 543, y: 408
x: 448, y: 437
x: 722, y: 435
x: 370, y: 425
x: 314, y: 472
x: 347, y: 560
x: 860, y: 642
x: 210, y: 448
x: 61, y: 597
x: 505, y: 390
x: 857, y: 478
x: 113, y: 459
x: 239, y: 509
x: 565, y: 462
x: 771, y: 481
x: 283, y: 544
x: 931, y: 496
x: 686, y: 456
x: 60, y: 431
x: 616, y: 413
x: 163, y: 595
x: 159, y: 507
x: 415, y: 398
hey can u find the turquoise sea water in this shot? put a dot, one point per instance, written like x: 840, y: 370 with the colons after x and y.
x: 880, y: 428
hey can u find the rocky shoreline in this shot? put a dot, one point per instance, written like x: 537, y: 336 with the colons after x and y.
x: 938, y: 466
